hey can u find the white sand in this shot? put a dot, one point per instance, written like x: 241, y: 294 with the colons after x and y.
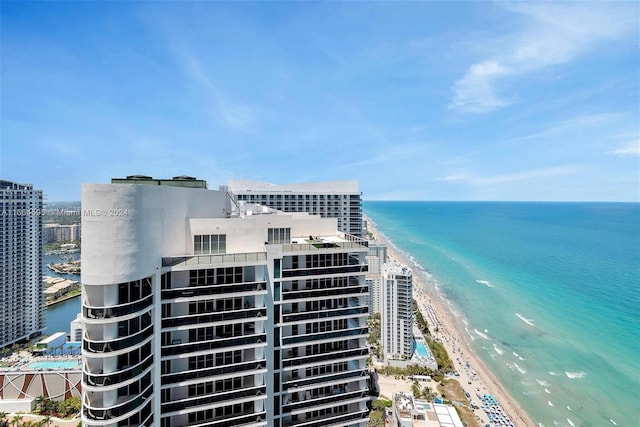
x: 453, y: 337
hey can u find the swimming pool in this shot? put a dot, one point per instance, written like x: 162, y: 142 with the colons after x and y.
x: 420, y: 348
x: 54, y: 364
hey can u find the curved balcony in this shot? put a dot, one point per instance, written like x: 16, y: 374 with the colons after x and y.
x: 116, y: 411
x: 116, y: 343
x: 254, y: 366
x: 198, y: 291
x: 195, y: 319
x: 91, y: 313
x: 226, y: 343
x: 111, y: 378
x: 217, y: 398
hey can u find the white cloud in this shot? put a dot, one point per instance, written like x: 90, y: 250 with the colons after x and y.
x: 475, y: 92
x: 232, y: 115
x: 554, y: 33
x: 631, y: 149
x: 528, y: 175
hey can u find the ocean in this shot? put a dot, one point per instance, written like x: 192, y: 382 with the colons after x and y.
x: 548, y: 293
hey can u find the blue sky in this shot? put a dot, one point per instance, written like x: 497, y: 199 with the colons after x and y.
x: 416, y: 100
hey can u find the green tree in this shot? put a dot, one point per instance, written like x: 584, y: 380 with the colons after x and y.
x: 16, y: 420
x: 3, y: 419
x: 415, y: 389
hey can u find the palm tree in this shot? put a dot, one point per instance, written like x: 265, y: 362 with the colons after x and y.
x: 16, y: 420
x: 47, y: 420
x: 40, y: 403
x: 3, y: 419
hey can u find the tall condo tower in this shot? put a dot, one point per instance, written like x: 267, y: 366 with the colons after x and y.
x: 21, y: 297
x: 376, y: 258
x: 397, y: 311
x: 330, y: 199
x: 194, y: 316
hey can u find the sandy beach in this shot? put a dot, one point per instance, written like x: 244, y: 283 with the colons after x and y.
x: 475, y: 377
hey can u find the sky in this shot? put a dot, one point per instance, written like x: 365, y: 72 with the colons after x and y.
x: 436, y: 100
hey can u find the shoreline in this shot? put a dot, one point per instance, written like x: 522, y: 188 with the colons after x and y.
x: 478, y: 378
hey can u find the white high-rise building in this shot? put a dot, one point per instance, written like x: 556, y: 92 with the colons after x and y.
x: 397, y: 311
x: 195, y: 317
x: 330, y: 199
x: 376, y: 258
x: 21, y: 297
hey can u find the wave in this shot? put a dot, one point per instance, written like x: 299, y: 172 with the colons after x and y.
x: 546, y: 390
x: 521, y: 370
x: 485, y: 282
x: 543, y: 383
x: 555, y: 374
x: 550, y: 403
x: 571, y: 423
x: 483, y: 335
x: 569, y: 408
x: 613, y: 422
x: 575, y: 375
x: 529, y: 322
x: 515, y: 354
x: 498, y: 350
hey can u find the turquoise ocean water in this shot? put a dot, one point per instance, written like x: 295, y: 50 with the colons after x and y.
x: 548, y: 293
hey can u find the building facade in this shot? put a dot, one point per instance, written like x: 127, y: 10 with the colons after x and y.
x: 397, y: 311
x: 331, y: 199
x: 376, y: 258
x: 61, y: 233
x: 21, y: 297
x: 195, y: 317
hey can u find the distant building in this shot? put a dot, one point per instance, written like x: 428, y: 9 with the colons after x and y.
x: 75, y: 329
x: 21, y: 297
x: 376, y: 258
x: 61, y: 233
x: 330, y: 199
x: 397, y: 311
x: 195, y: 316
x: 409, y: 412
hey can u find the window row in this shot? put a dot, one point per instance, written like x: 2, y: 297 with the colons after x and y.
x: 205, y: 244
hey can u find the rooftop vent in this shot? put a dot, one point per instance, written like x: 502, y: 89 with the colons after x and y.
x: 139, y: 177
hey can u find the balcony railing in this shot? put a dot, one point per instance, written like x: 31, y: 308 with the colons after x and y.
x: 317, y: 336
x: 339, y: 395
x: 116, y: 311
x: 119, y: 410
x: 195, y: 319
x: 317, y: 315
x: 322, y: 271
x: 320, y: 245
x: 333, y: 356
x: 326, y: 292
x: 291, y: 384
x: 353, y: 417
x: 172, y: 350
x: 194, y: 291
x: 116, y: 343
x: 221, y: 398
x: 193, y: 260
x: 250, y: 366
x: 118, y: 376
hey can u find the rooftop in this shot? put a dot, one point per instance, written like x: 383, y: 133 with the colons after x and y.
x: 176, y: 181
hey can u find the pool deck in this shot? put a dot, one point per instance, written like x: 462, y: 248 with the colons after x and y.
x: 20, y: 362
